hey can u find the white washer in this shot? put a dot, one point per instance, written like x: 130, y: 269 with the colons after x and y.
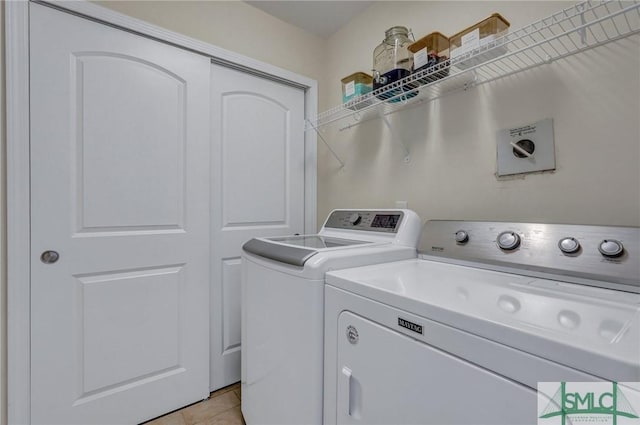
x: 463, y: 334
x: 283, y: 306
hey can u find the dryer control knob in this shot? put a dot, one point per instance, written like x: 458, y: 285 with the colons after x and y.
x: 569, y: 245
x: 508, y: 240
x: 462, y: 237
x: 355, y: 218
x: 611, y: 248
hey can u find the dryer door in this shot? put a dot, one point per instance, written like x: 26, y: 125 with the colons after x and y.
x: 385, y: 377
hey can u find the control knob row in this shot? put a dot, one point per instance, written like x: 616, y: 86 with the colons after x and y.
x: 510, y: 240
x: 608, y: 247
x: 506, y: 240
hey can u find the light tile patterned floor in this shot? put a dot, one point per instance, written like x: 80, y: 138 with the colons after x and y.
x: 221, y: 408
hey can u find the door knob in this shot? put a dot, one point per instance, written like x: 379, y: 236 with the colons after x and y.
x: 49, y: 257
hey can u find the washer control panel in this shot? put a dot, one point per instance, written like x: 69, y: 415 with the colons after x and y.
x: 610, y: 254
x: 387, y: 221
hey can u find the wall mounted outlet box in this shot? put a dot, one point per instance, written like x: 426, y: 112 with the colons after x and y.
x: 526, y: 149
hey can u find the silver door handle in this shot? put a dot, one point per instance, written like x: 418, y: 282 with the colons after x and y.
x: 49, y: 257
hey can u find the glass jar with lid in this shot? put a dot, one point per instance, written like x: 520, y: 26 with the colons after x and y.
x: 392, y: 59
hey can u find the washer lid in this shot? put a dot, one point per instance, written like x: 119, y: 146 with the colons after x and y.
x: 316, y: 241
x: 296, y: 250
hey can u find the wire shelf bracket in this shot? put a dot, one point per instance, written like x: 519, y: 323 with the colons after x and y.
x: 335, y: 155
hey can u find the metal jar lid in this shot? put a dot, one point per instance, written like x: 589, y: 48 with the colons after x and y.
x: 398, y: 30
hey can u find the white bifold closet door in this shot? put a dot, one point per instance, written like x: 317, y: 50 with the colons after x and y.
x: 257, y: 131
x: 120, y: 191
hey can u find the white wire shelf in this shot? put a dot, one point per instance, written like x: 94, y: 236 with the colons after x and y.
x: 565, y: 33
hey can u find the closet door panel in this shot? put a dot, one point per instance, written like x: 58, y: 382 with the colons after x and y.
x: 257, y: 191
x: 119, y: 223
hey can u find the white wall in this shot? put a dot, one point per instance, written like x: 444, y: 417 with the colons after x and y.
x: 236, y: 26
x: 593, y: 98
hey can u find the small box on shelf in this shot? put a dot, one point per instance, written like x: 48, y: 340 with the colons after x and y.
x: 429, y: 51
x: 356, y: 84
x: 481, y: 34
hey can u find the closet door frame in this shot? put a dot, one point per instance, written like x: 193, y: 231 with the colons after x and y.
x: 17, y: 160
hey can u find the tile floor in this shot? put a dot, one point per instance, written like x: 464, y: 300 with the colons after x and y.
x: 221, y: 408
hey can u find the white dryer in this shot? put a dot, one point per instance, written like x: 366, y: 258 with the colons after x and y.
x: 464, y: 333
x: 283, y: 306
